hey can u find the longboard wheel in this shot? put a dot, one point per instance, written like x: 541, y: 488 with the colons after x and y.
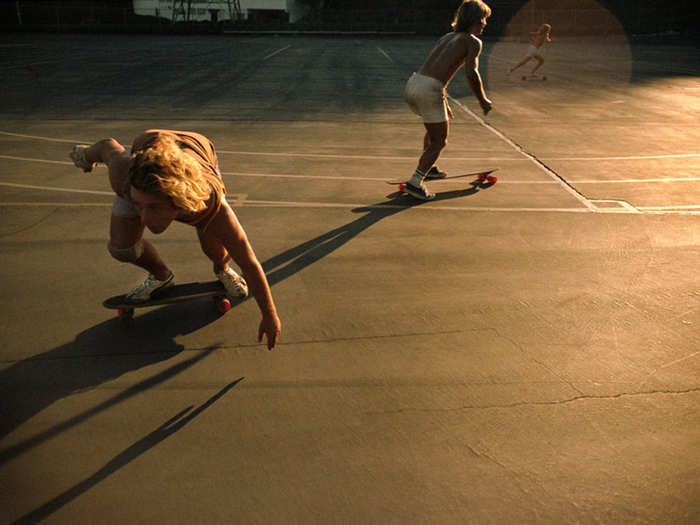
x: 401, y: 187
x: 223, y: 305
x: 491, y: 179
x: 481, y: 176
x: 125, y: 314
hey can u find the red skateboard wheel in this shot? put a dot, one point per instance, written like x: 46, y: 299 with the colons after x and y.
x: 491, y: 179
x: 125, y: 314
x: 401, y: 187
x: 223, y: 305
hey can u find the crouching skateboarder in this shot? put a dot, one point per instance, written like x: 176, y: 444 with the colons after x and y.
x: 174, y: 176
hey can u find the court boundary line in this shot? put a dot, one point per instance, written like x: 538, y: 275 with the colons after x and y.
x: 392, y: 157
x: 276, y: 52
x: 241, y: 200
x: 551, y: 173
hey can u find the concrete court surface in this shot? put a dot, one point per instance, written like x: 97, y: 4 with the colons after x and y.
x: 526, y: 352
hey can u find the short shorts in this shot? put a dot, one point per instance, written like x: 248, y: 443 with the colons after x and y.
x: 427, y: 98
x: 532, y: 51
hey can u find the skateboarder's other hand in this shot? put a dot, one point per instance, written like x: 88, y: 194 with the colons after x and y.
x: 270, y: 326
x: 486, y: 106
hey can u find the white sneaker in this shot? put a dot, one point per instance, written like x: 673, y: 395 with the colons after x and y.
x: 79, y: 157
x: 419, y: 192
x: 150, y: 285
x: 235, y: 284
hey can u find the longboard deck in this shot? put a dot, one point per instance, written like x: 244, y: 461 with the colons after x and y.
x: 478, y: 174
x: 174, y: 294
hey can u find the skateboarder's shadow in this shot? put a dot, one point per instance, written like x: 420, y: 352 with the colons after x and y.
x: 107, y: 351
x: 295, y: 259
x: 97, y: 355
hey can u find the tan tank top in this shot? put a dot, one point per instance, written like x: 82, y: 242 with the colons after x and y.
x: 202, y: 150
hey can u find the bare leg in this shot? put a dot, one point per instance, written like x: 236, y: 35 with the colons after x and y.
x: 521, y: 63
x: 125, y: 232
x: 435, y: 141
x: 540, y: 61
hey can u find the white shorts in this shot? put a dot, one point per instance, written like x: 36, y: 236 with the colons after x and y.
x: 426, y: 97
x: 533, y: 51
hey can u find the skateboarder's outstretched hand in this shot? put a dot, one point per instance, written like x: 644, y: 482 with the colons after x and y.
x: 270, y: 327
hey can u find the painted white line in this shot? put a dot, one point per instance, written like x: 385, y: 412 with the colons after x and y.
x: 583, y: 200
x: 355, y: 179
x: 623, y: 206
x: 386, y: 157
x: 52, y: 188
x: 412, y: 158
x: 45, y: 161
x: 239, y: 200
x: 39, y: 137
x: 631, y: 157
x: 276, y: 52
x: 57, y: 204
x: 684, y: 207
x: 636, y: 181
x: 501, y: 181
x: 426, y: 207
x: 385, y: 54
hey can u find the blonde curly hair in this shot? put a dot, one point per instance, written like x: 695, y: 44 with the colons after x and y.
x: 468, y: 14
x: 162, y: 167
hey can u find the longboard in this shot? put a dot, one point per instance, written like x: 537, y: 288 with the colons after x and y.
x: 174, y: 294
x: 480, y: 175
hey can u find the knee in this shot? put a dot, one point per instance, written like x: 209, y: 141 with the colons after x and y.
x: 129, y: 255
x: 440, y: 143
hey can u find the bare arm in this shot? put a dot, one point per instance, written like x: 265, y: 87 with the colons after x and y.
x: 229, y: 231
x: 108, y: 152
x: 471, y: 69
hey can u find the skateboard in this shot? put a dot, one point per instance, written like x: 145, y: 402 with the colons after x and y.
x: 174, y: 294
x: 482, y: 176
x: 533, y: 77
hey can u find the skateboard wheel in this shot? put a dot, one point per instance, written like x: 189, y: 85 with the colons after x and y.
x: 126, y: 314
x: 491, y: 179
x: 401, y: 187
x: 223, y: 305
x: 481, y: 176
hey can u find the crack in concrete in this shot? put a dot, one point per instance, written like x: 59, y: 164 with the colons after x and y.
x: 559, y: 402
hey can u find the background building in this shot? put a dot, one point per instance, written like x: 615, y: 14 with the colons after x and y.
x: 219, y: 10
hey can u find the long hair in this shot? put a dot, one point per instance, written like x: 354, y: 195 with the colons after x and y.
x: 162, y: 167
x: 468, y: 14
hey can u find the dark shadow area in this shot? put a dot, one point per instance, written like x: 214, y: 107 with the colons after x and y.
x: 122, y: 459
x: 97, y: 355
x: 296, y: 259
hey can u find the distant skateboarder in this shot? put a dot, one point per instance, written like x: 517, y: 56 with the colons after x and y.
x: 426, y: 90
x: 534, y: 50
x: 174, y: 176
